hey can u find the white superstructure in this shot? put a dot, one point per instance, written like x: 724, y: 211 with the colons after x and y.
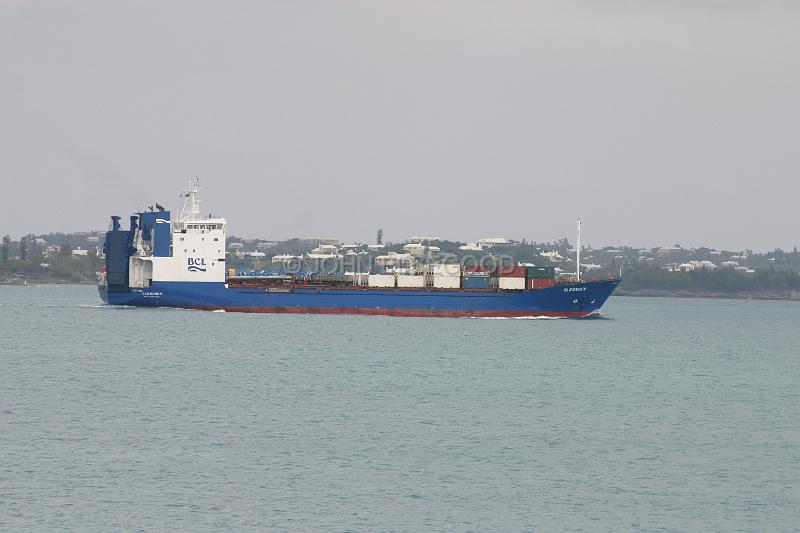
x: 196, y: 251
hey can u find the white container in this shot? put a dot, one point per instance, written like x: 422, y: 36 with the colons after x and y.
x: 358, y: 278
x: 448, y: 269
x: 404, y: 280
x: 517, y: 284
x: 447, y: 282
x: 381, y: 280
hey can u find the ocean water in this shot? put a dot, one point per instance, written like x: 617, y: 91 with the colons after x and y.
x: 665, y: 415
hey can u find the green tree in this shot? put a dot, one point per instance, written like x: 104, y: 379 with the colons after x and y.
x: 379, y: 237
x: 23, y: 248
x: 6, y: 248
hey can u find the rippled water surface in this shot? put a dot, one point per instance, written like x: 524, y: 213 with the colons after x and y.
x: 666, y: 415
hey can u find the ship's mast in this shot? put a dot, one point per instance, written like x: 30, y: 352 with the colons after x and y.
x: 578, y: 250
x: 191, y: 202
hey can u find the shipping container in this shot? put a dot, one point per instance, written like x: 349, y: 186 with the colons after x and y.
x: 541, y: 283
x: 517, y: 284
x: 511, y: 272
x: 475, y: 282
x: 446, y: 282
x: 357, y: 278
x: 541, y: 272
x: 381, y: 280
x: 449, y: 269
x: 474, y: 269
x: 404, y: 280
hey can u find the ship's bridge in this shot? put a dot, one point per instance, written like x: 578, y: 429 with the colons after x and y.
x: 199, y: 226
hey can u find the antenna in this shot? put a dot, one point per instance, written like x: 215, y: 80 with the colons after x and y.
x: 191, y: 203
x: 578, y: 250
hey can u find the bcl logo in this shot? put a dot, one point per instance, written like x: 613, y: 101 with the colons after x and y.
x: 196, y: 264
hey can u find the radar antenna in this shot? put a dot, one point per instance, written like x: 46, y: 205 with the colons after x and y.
x: 191, y: 203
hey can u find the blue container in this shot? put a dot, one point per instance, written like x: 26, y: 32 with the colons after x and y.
x: 475, y: 282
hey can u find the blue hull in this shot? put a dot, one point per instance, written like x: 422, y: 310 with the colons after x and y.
x: 573, y: 300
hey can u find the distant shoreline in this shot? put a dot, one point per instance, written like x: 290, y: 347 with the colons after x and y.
x: 656, y: 293
x: 29, y: 282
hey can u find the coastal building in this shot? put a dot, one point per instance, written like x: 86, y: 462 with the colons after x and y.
x: 419, y: 249
x: 553, y: 256
x: 285, y: 258
x: 492, y: 241
x: 696, y: 265
x: 394, y: 259
x: 668, y: 250
x: 325, y: 251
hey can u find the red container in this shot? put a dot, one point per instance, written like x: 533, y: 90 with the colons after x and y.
x: 541, y: 283
x: 511, y: 271
x: 475, y: 268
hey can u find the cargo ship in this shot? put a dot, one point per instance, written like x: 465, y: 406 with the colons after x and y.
x: 181, y: 263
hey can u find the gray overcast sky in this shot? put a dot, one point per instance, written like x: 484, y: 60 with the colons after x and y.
x: 655, y: 121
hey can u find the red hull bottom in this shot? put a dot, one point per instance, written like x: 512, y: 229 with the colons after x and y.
x: 442, y: 313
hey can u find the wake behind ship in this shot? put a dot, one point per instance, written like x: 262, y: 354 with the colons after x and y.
x: 160, y: 262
